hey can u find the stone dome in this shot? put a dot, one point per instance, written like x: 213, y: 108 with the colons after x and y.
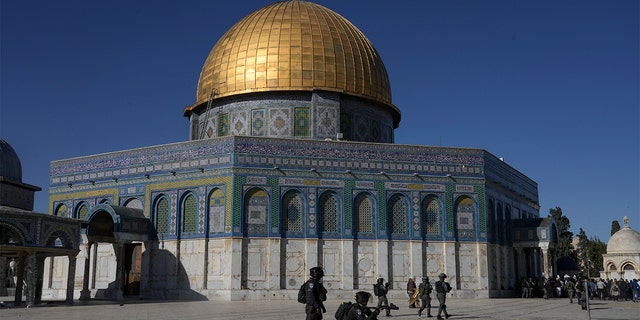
x: 294, y: 46
x: 10, y: 167
x: 626, y: 240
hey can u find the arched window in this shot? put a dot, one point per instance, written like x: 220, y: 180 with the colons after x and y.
x: 364, y: 208
x: 431, y: 215
x: 465, y: 212
x: 216, y: 211
x: 189, y: 214
x: 256, y: 210
x: 134, y: 203
x: 161, y: 215
x: 398, y: 214
x: 328, y: 213
x: 83, y: 211
x: 293, y: 209
x: 61, y: 211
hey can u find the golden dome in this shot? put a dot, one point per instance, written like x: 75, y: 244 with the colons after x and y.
x: 290, y: 46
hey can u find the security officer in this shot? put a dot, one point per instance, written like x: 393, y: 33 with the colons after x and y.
x: 380, y: 291
x: 316, y: 294
x: 442, y: 288
x: 424, y: 290
x: 359, y: 310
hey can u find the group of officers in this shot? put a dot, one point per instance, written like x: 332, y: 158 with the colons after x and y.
x: 421, y: 294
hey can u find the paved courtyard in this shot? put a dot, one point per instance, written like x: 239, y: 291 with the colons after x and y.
x: 512, y: 309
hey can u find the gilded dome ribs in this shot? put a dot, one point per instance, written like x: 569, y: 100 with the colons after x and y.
x: 294, y: 46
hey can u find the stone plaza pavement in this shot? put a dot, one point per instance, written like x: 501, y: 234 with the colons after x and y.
x: 512, y: 309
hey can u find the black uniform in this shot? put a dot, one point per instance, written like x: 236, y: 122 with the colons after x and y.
x: 358, y: 312
x: 424, y: 290
x: 381, y: 293
x: 315, y: 295
x: 442, y: 288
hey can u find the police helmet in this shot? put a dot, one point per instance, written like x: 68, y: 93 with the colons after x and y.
x: 316, y: 272
x: 442, y: 275
x: 380, y: 280
x: 362, y: 297
x: 425, y: 279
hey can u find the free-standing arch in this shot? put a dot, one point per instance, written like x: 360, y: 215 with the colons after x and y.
x: 120, y: 226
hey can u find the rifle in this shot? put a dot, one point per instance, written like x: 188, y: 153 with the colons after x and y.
x: 391, y: 306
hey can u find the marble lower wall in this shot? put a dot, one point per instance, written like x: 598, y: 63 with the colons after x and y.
x: 274, y: 268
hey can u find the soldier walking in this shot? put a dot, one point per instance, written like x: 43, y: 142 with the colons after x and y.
x: 442, y: 288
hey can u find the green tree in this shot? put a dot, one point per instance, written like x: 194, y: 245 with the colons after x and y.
x: 596, y: 249
x: 565, y: 237
x: 615, y: 226
x: 582, y: 253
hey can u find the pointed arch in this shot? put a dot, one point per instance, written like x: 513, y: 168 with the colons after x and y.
x: 293, y: 211
x: 217, y: 210
x: 134, y: 203
x: 82, y: 210
x: 61, y: 210
x: 329, y: 214
x: 11, y: 235
x: 398, y: 215
x: 431, y: 215
x: 465, y: 213
x: 188, y: 214
x: 256, y: 213
x: 58, y: 237
x: 160, y: 214
x: 364, y: 211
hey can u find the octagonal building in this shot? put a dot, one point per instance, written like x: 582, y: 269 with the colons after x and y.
x: 291, y: 164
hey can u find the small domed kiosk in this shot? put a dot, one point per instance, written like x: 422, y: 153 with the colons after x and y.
x: 622, y: 260
x: 28, y: 238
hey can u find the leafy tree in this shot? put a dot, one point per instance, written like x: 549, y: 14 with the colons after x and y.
x: 565, y: 237
x: 596, y: 249
x: 582, y: 253
x: 615, y: 226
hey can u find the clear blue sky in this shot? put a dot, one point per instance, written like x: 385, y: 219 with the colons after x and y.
x: 552, y: 86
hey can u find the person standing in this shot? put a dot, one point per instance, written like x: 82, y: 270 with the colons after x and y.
x: 424, y: 292
x: 380, y: 291
x: 442, y: 288
x: 615, y: 291
x: 316, y: 294
x: 411, y: 290
x: 635, y: 288
x: 359, y: 310
x: 526, y: 288
x: 569, y: 287
x: 600, y: 289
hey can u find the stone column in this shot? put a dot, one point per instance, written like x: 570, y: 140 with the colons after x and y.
x: 19, y: 280
x: 118, y: 249
x: 71, y: 278
x: 4, y: 263
x: 545, y: 263
x: 31, y: 275
x: 85, y: 294
x: 39, y: 273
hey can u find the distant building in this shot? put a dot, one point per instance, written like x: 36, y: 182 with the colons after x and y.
x: 622, y: 260
x: 292, y: 164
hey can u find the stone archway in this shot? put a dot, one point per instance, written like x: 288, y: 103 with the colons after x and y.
x: 119, y: 227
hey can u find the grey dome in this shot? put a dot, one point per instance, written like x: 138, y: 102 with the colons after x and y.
x: 10, y: 167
